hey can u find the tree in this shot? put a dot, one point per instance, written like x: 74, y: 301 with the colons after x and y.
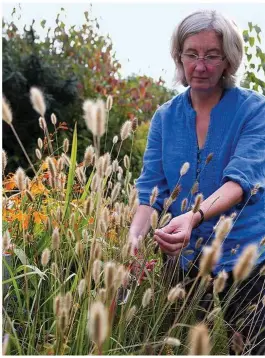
x: 71, y: 65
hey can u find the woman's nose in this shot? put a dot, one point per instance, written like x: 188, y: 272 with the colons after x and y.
x: 200, y: 65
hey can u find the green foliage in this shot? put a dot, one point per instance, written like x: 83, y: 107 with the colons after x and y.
x: 70, y: 65
x: 255, y: 66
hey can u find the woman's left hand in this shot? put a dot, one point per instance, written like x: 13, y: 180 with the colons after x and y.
x: 173, y: 237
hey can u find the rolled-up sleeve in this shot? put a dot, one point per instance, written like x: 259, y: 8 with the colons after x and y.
x: 247, y: 165
x: 152, y: 172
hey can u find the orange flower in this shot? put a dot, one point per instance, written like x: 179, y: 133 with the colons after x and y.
x: 39, y: 217
x: 23, y: 218
x: 90, y: 221
x: 38, y: 188
x: 9, y: 183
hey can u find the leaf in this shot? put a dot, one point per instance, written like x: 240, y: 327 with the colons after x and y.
x: 245, y: 35
x: 71, y: 173
x: 251, y: 41
x: 42, y: 23
x: 22, y: 256
x: 249, y: 57
x: 250, y: 26
x: 37, y: 270
x: 257, y: 28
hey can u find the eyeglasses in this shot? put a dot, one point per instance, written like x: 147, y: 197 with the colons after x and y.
x: 213, y: 60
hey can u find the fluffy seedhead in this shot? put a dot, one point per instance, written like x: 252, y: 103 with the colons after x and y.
x: 20, y: 179
x: 126, y: 130
x: 197, y: 204
x: 245, y: 263
x: 184, y: 169
x: 220, y: 281
x: 98, y: 323
x: 45, y: 257
x: 154, y: 196
x: 6, y: 112
x: 210, y: 257
x: 37, y: 101
x: 147, y: 297
x: 199, y: 340
x: 109, y: 103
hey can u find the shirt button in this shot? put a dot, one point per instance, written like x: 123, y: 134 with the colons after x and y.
x: 198, y: 170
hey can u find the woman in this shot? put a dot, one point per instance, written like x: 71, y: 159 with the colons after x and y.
x: 212, y: 116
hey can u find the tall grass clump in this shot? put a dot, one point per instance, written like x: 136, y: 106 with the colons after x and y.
x: 72, y: 285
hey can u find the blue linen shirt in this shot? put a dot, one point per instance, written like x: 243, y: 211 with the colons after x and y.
x: 236, y: 137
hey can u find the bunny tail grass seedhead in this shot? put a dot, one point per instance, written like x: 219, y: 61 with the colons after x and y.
x: 176, y: 293
x: 209, y: 158
x: 109, y: 274
x: 115, y: 192
x: 184, y: 204
x: 210, y: 257
x: 96, y: 270
x: 51, y: 167
x: 245, y: 263
x: 6, y: 240
x: 37, y: 100
x: 197, y: 204
x: 171, y: 341
x: 4, y: 160
x: 154, y: 195
x: 20, y: 178
x: 66, y: 145
x: 53, y: 119
x: 165, y: 219
x: 220, y: 281
x: 68, y: 301
x: 126, y: 161
x: 57, y: 305
x: 45, y: 257
x: 100, y: 118
x: 175, y: 192
x: 109, y: 103
x: 42, y: 123
x: 55, y: 239
x: 195, y: 188
x: 130, y: 313
x: 98, y: 323
x: 223, y: 229
x: 154, y: 219
x: 38, y: 153
x: 199, y: 340
x: 6, y: 112
x: 115, y: 139
x: 184, y: 169
x: 147, y: 297
x: 88, y: 157
x: 81, y: 287
x: 96, y: 250
x: 126, y: 130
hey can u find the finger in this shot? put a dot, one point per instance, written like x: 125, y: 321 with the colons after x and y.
x: 172, y: 238
x: 169, y: 228
x: 167, y: 246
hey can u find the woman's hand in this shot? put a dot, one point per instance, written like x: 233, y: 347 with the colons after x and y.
x: 173, y: 237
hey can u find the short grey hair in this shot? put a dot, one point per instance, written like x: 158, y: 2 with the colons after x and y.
x: 232, y: 39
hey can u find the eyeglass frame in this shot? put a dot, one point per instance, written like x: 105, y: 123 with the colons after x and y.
x: 204, y: 58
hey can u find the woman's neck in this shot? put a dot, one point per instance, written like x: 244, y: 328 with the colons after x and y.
x: 204, y: 101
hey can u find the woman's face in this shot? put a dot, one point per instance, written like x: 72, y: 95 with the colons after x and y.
x: 200, y: 75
